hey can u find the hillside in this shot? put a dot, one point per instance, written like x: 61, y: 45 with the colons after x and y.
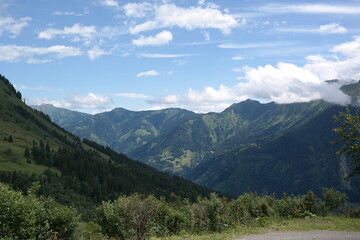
x: 81, y: 173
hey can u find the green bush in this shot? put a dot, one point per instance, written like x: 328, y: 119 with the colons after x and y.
x: 29, y: 217
x: 249, y: 207
x: 133, y: 217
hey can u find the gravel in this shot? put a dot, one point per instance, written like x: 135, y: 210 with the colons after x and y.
x: 311, y: 235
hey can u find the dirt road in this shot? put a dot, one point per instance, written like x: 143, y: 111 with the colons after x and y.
x: 311, y: 235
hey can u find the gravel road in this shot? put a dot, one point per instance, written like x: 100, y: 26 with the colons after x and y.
x: 312, y: 235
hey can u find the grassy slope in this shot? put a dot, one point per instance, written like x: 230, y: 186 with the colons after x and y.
x: 330, y: 223
x: 23, y: 131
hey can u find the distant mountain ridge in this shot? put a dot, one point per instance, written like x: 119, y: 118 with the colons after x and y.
x: 121, y: 129
x: 200, y: 146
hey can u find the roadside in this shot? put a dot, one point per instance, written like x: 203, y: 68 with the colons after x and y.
x: 304, y: 226
x: 312, y: 235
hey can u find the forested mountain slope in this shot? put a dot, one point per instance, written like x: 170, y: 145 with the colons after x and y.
x: 301, y: 159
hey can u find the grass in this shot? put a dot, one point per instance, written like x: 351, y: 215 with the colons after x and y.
x: 329, y: 223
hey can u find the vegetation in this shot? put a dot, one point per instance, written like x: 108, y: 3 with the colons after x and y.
x: 31, y: 217
x: 117, y: 197
x: 25, y: 216
x: 349, y: 133
x: 270, y: 147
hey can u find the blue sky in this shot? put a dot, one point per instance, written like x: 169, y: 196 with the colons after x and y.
x: 96, y: 55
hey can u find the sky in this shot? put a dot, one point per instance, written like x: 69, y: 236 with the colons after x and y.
x: 97, y: 55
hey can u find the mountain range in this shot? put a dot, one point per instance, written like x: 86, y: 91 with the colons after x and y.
x: 74, y: 172
x: 250, y: 146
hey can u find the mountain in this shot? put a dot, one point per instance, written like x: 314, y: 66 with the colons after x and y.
x: 248, y: 147
x: 208, y: 135
x: 122, y: 130
x: 74, y: 172
x: 303, y: 158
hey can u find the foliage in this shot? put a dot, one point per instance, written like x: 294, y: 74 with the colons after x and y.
x: 134, y: 217
x: 139, y: 217
x: 29, y: 217
x: 333, y: 199
x: 349, y: 133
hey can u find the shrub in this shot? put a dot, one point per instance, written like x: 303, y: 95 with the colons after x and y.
x: 29, y: 217
x: 249, y: 207
x: 134, y: 217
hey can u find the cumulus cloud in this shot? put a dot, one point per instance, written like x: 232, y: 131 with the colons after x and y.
x: 96, y: 52
x: 15, y: 53
x: 148, y: 73
x: 170, y: 15
x: 13, y: 26
x: 281, y: 83
x: 161, y: 38
x: 85, y: 102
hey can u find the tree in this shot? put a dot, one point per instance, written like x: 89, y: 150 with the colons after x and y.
x: 349, y: 132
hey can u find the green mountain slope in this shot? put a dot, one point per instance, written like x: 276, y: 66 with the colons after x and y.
x: 208, y: 135
x: 301, y: 159
x: 32, y: 148
x: 122, y: 130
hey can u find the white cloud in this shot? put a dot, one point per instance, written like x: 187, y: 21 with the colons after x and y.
x: 60, y: 13
x: 311, y: 9
x: 96, y: 52
x: 161, y: 38
x: 348, y: 49
x: 282, y: 83
x: 14, y: 53
x: 169, y: 15
x: 86, y: 34
x: 85, y: 102
x: 40, y: 88
x: 77, y: 32
x: 252, y: 45
x: 131, y: 95
x: 238, y: 58
x: 13, y: 26
x: 109, y: 3
x: 156, y: 55
x: 148, y: 73
x: 137, y: 10
x: 332, y: 28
